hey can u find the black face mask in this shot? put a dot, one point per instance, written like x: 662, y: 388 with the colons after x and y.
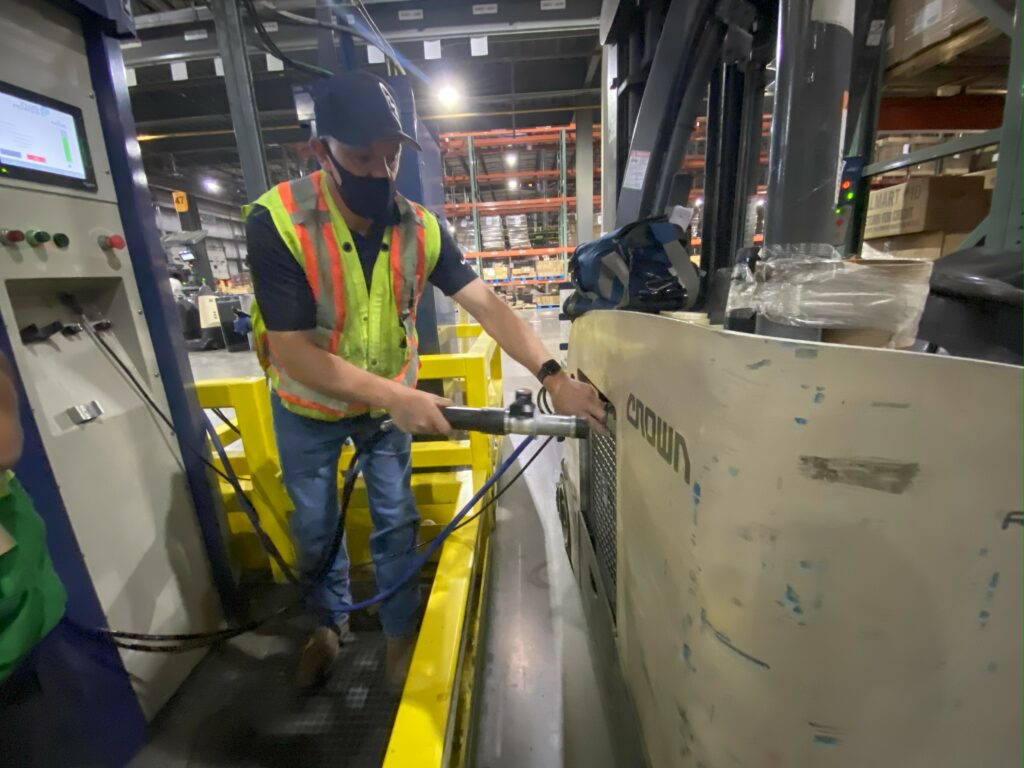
x: 364, y: 195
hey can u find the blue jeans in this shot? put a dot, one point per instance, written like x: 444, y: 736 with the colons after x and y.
x: 309, y: 450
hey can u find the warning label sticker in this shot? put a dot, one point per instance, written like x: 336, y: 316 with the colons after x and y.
x: 636, y: 170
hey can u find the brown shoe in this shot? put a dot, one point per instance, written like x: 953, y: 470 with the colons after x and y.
x: 319, y: 653
x: 399, y: 656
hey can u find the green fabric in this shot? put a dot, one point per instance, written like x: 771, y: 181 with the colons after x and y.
x: 370, y: 339
x: 32, y: 598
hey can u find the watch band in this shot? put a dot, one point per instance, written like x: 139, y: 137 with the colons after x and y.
x: 550, y: 368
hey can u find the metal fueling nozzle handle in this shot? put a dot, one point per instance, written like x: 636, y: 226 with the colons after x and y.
x: 519, y: 418
x: 498, y: 421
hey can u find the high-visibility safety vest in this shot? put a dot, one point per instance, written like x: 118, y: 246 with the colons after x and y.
x: 373, y: 329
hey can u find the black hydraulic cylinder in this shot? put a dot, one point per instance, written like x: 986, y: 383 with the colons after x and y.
x: 720, y: 185
x: 813, y: 61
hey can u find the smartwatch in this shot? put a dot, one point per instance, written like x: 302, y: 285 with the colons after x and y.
x: 550, y: 368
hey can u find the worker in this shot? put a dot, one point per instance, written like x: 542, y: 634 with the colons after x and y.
x: 339, y: 261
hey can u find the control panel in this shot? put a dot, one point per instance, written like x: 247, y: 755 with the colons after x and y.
x: 118, y: 468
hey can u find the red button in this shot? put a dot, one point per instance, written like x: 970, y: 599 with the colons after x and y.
x: 13, y: 235
x: 111, y: 242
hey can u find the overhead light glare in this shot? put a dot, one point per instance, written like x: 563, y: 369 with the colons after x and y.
x: 449, y: 95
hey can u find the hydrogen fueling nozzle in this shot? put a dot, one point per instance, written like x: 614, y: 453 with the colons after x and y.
x: 520, y: 418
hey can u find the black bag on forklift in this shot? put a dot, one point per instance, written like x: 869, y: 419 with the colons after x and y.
x: 644, y: 266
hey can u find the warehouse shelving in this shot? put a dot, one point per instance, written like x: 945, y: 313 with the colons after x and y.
x: 518, y: 184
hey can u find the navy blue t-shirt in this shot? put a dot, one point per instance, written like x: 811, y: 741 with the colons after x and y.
x: 286, y: 301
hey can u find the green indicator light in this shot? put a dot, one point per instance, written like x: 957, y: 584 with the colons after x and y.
x: 849, y: 195
x: 839, y: 210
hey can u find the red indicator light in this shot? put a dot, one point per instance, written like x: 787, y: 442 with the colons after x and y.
x: 846, y: 184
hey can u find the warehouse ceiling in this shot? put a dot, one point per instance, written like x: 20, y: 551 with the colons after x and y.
x: 540, y: 65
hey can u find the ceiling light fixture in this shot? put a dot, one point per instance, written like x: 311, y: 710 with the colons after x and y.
x: 449, y: 95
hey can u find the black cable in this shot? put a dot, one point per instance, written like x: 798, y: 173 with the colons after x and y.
x: 516, y: 476
x: 469, y: 518
x: 271, y: 46
x: 231, y: 425
x: 141, y: 389
x: 234, y: 428
x: 544, y: 401
x: 202, y: 640
x: 194, y: 641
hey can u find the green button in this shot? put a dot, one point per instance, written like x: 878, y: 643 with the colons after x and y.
x: 38, y: 236
x: 61, y: 240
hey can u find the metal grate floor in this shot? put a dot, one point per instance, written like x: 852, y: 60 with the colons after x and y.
x: 241, y: 709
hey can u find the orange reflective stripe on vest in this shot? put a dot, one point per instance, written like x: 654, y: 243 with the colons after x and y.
x: 305, y: 241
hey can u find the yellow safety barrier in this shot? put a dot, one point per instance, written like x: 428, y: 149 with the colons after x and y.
x: 430, y: 721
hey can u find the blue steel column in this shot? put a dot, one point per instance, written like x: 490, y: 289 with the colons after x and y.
x: 813, y: 58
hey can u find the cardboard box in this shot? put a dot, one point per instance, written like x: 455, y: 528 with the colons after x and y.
x: 936, y: 203
x: 550, y: 268
x: 524, y: 272
x: 921, y: 245
x: 917, y: 24
x: 988, y: 176
x: 499, y: 272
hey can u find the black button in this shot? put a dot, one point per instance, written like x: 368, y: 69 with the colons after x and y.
x: 346, y: 247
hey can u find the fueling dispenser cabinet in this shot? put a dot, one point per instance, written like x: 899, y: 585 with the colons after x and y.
x: 131, y: 522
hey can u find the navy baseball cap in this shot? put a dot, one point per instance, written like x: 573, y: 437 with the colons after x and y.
x: 357, y: 108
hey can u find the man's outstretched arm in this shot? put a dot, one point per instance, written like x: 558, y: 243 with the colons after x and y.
x: 570, y: 397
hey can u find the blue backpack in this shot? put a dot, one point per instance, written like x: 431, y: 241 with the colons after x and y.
x: 642, y: 266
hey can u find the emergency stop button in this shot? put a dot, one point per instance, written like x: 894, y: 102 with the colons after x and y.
x: 111, y: 242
